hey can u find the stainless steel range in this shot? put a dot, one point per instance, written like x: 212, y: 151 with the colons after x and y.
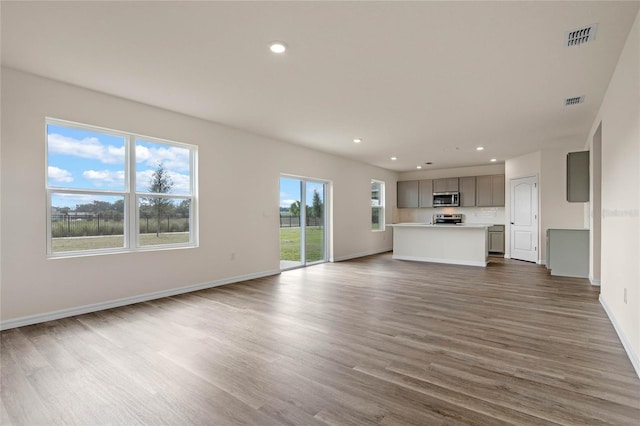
x: 447, y: 219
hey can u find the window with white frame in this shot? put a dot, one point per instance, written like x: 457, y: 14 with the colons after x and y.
x: 377, y: 205
x: 112, y: 191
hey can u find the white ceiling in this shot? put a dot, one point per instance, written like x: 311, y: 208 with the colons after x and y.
x: 423, y: 81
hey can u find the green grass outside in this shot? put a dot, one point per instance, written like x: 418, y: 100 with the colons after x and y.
x: 290, y: 243
x: 115, y: 241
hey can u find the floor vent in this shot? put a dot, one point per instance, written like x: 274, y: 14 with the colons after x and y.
x: 574, y: 101
x: 580, y: 35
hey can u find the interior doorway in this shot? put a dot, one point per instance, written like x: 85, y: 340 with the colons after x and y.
x: 524, y: 218
x: 303, y: 222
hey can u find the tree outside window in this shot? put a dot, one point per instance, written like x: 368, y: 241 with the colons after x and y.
x: 377, y: 205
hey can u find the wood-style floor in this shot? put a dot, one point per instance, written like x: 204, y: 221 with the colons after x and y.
x: 373, y: 341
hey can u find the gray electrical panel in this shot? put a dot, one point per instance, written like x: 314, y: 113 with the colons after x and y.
x: 578, y: 177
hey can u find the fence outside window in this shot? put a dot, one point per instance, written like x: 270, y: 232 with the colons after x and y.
x: 287, y: 221
x: 84, y: 225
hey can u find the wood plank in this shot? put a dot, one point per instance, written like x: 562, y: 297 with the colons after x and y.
x: 371, y: 341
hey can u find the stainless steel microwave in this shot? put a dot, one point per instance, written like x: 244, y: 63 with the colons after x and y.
x: 446, y: 199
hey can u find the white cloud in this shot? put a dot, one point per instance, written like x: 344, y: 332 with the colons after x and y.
x: 287, y: 203
x: 143, y: 178
x: 142, y: 154
x: 90, y: 148
x: 101, y: 177
x: 181, y: 182
x: 174, y: 158
x: 59, y: 175
x: 71, y: 200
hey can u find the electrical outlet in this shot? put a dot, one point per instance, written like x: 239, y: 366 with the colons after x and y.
x: 625, y: 296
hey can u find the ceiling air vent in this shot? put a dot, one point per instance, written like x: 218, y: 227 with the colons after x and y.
x: 580, y: 35
x: 574, y: 101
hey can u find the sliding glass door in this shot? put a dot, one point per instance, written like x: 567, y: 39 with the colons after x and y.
x: 303, y: 230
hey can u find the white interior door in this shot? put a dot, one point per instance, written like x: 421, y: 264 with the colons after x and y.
x: 524, y: 218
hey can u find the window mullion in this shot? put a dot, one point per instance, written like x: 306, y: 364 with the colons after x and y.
x: 133, y: 227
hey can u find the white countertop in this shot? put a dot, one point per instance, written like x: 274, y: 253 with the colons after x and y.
x: 428, y: 225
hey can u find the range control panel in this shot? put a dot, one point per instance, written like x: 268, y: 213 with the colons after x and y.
x: 444, y: 218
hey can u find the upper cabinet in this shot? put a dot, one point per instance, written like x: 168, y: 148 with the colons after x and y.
x: 578, y: 177
x: 468, y: 191
x: 445, y: 185
x: 426, y: 193
x: 480, y: 191
x: 490, y: 191
x: 408, y: 194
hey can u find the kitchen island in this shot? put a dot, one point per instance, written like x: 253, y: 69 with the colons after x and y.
x: 456, y: 244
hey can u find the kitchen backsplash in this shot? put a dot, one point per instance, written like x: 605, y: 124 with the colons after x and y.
x: 490, y: 215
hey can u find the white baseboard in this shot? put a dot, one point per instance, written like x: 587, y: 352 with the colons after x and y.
x: 635, y: 361
x: 79, y: 310
x: 437, y: 260
x: 357, y: 255
x: 594, y: 282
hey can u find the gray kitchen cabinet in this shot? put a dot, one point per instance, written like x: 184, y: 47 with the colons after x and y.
x: 496, y: 239
x: 578, y: 177
x: 568, y: 252
x: 407, y: 194
x: 490, y: 191
x: 445, y: 185
x: 497, y: 190
x: 467, y: 191
x: 425, y: 190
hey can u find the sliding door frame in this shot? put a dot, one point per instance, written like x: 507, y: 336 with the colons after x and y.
x: 326, y: 199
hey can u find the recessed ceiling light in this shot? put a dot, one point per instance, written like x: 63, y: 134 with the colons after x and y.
x: 278, y: 46
x: 357, y: 140
x: 418, y: 167
x: 394, y: 158
x: 480, y: 148
x: 493, y: 160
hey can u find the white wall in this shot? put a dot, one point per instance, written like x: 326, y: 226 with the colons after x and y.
x: 490, y: 169
x: 555, y: 210
x: 239, y: 200
x: 620, y: 186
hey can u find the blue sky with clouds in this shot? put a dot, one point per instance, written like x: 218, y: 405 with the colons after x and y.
x: 95, y: 161
x: 290, y: 191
